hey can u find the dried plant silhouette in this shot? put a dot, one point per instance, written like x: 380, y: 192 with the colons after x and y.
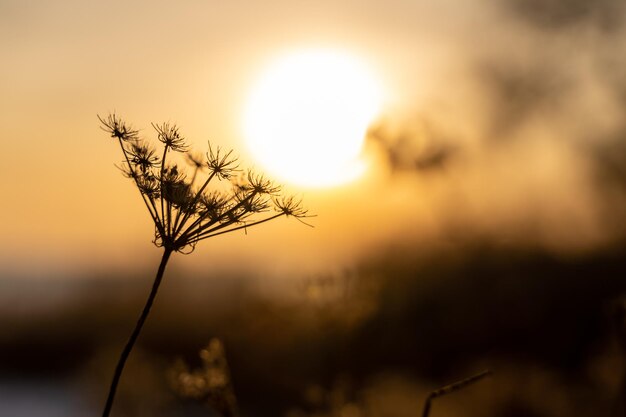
x: 186, y: 210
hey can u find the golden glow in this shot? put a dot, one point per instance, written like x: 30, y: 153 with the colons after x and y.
x: 306, y: 119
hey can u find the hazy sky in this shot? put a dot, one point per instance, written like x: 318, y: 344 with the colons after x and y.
x: 505, y: 121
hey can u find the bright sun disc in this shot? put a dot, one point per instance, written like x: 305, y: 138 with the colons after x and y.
x: 306, y: 119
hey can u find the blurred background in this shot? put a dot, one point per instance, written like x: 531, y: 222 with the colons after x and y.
x: 488, y: 232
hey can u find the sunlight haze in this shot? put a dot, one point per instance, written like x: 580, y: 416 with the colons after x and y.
x: 307, y: 117
x: 446, y: 137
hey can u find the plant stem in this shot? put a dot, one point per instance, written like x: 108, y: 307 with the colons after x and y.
x: 133, y: 337
x: 155, y: 215
x: 213, y: 232
x: 448, y: 389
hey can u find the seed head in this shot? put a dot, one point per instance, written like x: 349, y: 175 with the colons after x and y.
x: 117, y: 128
x: 149, y: 185
x: 185, y: 213
x: 170, y: 136
x: 176, y: 190
x: 213, y: 205
x: 258, y: 184
x: 290, y: 207
x: 142, y: 156
x: 223, y: 166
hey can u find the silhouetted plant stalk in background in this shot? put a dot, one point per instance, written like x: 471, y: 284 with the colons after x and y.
x: 449, y: 389
x: 186, y: 211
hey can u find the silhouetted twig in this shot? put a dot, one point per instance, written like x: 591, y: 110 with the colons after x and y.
x: 448, y: 389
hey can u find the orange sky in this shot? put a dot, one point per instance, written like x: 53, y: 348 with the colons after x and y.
x: 526, y: 113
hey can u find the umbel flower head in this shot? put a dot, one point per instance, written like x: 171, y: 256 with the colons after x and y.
x: 186, y: 208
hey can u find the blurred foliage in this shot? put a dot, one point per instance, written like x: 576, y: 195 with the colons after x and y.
x: 210, y: 383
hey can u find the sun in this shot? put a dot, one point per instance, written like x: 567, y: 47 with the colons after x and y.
x: 306, y: 118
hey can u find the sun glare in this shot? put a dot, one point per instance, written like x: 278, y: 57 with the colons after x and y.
x: 306, y: 118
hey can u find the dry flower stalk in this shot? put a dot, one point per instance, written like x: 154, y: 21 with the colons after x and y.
x: 186, y: 210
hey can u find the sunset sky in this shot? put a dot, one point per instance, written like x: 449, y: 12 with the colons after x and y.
x: 486, y: 208
x: 523, y: 119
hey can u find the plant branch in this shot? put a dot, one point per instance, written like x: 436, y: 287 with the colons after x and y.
x: 209, y: 233
x: 178, y: 227
x: 161, y: 188
x: 134, y: 175
x: 448, y: 389
x: 135, y: 334
x: 196, y: 228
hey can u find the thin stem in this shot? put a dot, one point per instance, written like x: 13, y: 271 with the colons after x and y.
x: 178, y: 227
x: 168, y: 212
x: 154, y: 215
x: 448, y: 389
x: 161, y: 188
x: 202, y: 228
x: 212, y: 232
x: 155, y: 218
x: 211, y: 227
x: 133, y: 337
x: 193, y: 179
